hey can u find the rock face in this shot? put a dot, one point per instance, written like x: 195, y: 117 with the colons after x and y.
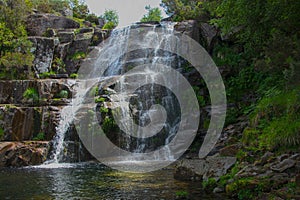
x: 190, y: 28
x: 37, y: 24
x: 197, y: 170
x: 48, y: 92
x: 22, y: 118
x: 43, y: 49
x: 19, y: 154
x: 59, y: 44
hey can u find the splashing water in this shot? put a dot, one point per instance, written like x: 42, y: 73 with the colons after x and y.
x: 116, y: 67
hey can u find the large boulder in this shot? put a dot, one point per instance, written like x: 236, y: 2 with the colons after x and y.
x: 37, y: 24
x: 200, y: 169
x: 43, y: 49
x: 190, y: 28
x: 19, y: 154
x: 208, y: 36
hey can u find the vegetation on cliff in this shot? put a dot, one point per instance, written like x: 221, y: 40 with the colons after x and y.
x: 261, y: 48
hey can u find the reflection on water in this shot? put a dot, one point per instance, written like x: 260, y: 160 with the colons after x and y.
x: 92, y: 181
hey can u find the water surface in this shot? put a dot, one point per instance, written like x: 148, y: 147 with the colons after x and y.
x: 93, y: 181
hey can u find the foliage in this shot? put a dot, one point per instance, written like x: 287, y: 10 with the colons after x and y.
x: 74, y: 75
x: 49, y: 6
x: 63, y: 94
x: 111, y: 19
x: 108, y: 125
x: 14, y: 46
x: 78, y: 55
x: 181, y: 194
x: 92, y: 18
x: 46, y: 74
x: 210, y: 184
x: 109, y: 26
x: 247, y: 188
x: 277, y: 116
x: 80, y: 9
x: 31, y: 94
x: 58, y: 65
x: 185, y: 9
x: 39, y: 137
x: 154, y: 14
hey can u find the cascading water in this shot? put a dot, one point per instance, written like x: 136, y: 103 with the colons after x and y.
x: 140, y: 102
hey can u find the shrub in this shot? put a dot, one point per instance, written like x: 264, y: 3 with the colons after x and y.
x: 39, y: 137
x: 181, y: 194
x: 31, y: 94
x: 78, y: 56
x: 109, y: 26
x: 63, y: 94
x: 74, y: 76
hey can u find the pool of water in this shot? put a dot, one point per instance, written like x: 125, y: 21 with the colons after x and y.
x: 94, y: 181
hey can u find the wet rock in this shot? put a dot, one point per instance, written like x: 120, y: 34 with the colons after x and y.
x: 284, y: 165
x: 37, y: 24
x: 19, y: 154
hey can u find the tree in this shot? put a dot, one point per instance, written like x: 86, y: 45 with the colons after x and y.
x: 111, y: 19
x: 154, y: 14
x: 14, y: 46
x: 185, y: 9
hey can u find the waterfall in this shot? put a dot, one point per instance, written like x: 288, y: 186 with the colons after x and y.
x: 119, y: 62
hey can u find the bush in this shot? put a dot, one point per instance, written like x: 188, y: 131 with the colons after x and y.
x: 39, y: 137
x: 63, y: 94
x: 74, y: 76
x: 109, y: 26
x: 31, y: 94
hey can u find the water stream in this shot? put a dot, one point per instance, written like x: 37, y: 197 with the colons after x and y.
x: 119, y: 61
